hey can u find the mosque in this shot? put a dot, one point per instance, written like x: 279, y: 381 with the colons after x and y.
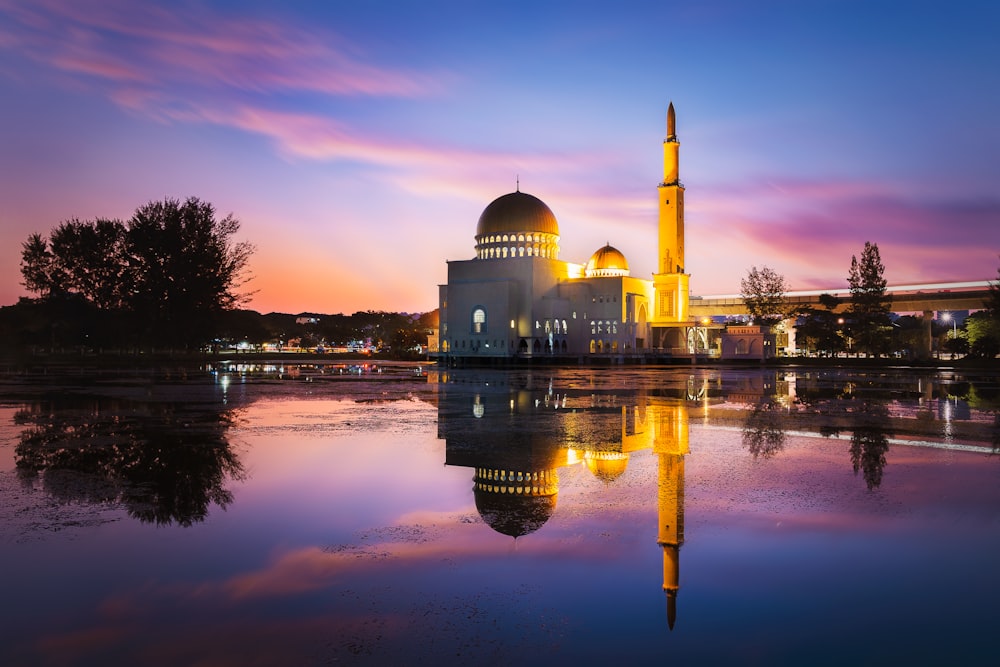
x: 517, y: 298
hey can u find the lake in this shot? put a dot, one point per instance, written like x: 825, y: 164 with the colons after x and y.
x: 268, y: 514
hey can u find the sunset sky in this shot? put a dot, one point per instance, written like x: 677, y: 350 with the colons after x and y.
x: 358, y: 142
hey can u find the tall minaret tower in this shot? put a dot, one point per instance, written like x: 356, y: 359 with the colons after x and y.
x: 670, y: 281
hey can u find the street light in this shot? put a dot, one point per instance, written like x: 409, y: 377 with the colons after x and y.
x: 954, y: 324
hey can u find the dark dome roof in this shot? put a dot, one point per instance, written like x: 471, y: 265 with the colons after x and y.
x: 517, y: 212
x: 514, y: 515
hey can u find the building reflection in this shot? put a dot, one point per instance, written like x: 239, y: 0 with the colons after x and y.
x: 516, y: 433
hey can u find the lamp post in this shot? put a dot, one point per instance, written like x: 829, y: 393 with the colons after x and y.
x: 954, y: 330
x: 954, y: 324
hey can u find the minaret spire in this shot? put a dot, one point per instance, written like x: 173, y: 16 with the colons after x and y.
x: 671, y: 123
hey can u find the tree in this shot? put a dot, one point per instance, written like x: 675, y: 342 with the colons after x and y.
x: 165, y: 275
x: 88, y: 260
x: 821, y: 328
x: 983, y: 335
x: 763, y: 293
x: 185, y: 268
x: 37, y: 266
x: 869, y: 302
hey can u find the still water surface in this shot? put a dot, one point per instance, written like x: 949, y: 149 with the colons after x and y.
x: 259, y: 515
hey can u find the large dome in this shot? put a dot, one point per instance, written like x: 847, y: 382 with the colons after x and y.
x: 517, y: 213
x: 608, y: 261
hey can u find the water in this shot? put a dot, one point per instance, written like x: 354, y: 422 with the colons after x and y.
x: 258, y: 515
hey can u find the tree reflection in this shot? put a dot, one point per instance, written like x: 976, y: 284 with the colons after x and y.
x: 164, y: 462
x: 870, y: 442
x: 763, y: 430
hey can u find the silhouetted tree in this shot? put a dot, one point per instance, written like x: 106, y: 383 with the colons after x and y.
x: 819, y: 328
x: 186, y: 268
x: 763, y: 293
x: 165, y: 275
x: 37, y: 266
x: 870, y: 305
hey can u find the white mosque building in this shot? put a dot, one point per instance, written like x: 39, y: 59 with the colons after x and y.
x: 517, y: 299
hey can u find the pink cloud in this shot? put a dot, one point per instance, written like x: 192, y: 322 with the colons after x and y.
x: 199, y: 49
x: 809, y: 230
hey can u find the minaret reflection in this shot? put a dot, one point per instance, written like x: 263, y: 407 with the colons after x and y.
x: 670, y: 444
x: 516, y: 438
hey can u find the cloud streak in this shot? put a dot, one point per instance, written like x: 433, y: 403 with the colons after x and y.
x: 127, y: 44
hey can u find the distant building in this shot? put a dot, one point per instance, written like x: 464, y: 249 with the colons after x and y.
x: 517, y: 298
x: 749, y: 342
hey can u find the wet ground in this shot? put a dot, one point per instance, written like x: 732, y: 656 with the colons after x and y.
x: 330, y: 514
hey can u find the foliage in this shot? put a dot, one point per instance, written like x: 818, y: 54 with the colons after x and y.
x: 870, y: 305
x: 821, y: 329
x: 162, y: 277
x: 983, y: 334
x: 908, y: 336
x: 763, y: 293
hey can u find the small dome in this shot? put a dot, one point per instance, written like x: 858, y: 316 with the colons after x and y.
x: 606, y: 466
x: 517, y: 212
x: 608, y: 261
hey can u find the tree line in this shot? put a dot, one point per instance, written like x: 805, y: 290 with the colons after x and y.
x: 866, y: 325
x: 160, y: 279
x: 170, y: 278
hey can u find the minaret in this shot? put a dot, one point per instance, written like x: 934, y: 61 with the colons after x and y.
x: 670, y: 444
x: 671, y: 196
x: 670, y: 281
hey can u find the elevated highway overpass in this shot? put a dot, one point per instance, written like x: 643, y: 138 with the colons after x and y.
x: 925, y: 298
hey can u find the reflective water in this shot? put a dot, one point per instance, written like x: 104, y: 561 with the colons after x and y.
x: 319, y: 514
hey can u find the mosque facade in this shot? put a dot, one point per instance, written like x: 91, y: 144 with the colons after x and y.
x: 518, y: 299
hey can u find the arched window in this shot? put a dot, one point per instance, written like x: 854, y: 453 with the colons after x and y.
x: 478, y: 320
x: 548, y: 326
x: 593, y: 327
x: 565, y: 329
x: 556, y: 326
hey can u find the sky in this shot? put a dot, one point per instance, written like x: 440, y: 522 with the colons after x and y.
x: 358, y: 142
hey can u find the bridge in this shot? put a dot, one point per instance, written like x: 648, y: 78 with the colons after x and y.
x: 926, y: 298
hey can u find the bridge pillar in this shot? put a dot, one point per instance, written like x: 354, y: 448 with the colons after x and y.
x: 926, y: 337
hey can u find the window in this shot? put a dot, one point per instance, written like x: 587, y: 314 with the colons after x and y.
x: 478, y: 321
